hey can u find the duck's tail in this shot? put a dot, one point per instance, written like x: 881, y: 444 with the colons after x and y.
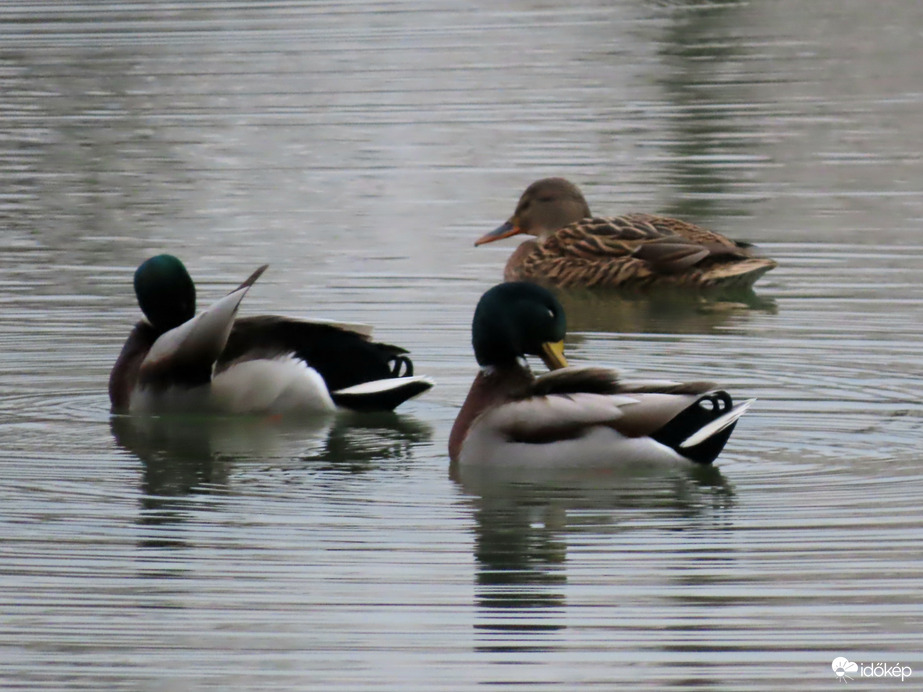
x: 737, y: 275
x: 700, y: 431
x: 381, y: 395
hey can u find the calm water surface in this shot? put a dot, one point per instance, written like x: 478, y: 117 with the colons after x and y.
x: 360, y: 148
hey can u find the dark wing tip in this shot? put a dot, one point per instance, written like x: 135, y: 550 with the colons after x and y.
x: 250, y: 280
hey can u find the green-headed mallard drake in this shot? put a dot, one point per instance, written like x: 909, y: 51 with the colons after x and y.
x: 577, y: 250
x: 573, y: 416
x: 178, y: 361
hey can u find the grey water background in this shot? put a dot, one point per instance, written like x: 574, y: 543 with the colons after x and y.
x: 360, y: 148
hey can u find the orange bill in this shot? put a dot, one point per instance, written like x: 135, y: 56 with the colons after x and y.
x: 504, y: 231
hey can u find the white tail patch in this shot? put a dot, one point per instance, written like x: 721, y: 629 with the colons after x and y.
x: 386, y: 385
x: 717, y: 425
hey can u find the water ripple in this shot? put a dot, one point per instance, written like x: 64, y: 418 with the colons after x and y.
x: 360, y: 148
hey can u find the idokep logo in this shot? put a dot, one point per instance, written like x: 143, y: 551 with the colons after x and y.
x: 842, y: 667
x: 846, y: 670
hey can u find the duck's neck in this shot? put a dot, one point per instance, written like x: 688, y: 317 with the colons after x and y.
x: 491, y: 387
x: 124, y: 373
x: 513, y: 269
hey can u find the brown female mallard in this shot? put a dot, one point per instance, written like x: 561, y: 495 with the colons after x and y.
x: 635, y: 251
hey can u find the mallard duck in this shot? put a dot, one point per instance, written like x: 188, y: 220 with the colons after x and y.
x: 178, y: 361
x: 573, y: 416
x: 635, y: 251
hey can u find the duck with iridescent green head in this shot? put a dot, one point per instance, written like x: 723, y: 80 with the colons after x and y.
x: 573, y: 417
x: 177, y: 361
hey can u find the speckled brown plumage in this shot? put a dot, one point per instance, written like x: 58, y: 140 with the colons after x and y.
x: 635, y: 251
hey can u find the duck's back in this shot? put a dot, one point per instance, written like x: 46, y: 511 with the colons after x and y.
x: 636, y: 251
x: 343, y: 357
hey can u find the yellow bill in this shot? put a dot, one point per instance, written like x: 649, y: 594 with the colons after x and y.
x: 553, y: 355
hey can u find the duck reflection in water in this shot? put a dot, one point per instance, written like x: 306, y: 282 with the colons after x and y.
x: 657, y: 312
x: 185, y: 458
x: 523, y: 530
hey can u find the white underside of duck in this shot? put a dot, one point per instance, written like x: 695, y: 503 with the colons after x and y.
x: 278, y: 386
x: 284, y: 385
x: 596, y: 447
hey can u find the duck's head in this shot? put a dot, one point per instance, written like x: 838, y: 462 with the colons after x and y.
x: 516, y: 319
x: 545, y: 206
x: 166, y: 293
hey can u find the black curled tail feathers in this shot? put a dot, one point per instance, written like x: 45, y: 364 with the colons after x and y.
x: 401, y: 366
x: 703, y: 411
x: 718, y: 403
